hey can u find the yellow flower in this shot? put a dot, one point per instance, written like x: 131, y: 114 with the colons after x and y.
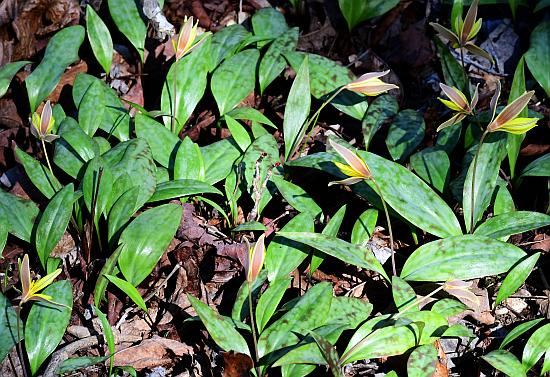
x: 30, y: 288
x: 458, y: 103
x: 508, y: 120
x: 370, y: 84
x: 186, y: 38
x: 356, y: 169
x: 464, y: 31
x: 256, y: 257
x: 42, y: 124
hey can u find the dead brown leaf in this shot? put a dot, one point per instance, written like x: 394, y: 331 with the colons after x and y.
x: 236, y: 364
x: 151, y: 353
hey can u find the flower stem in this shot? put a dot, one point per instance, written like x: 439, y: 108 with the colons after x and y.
x: 386, y: 212
x: 463, y: 65
x: 314, y: 117
x: 174, y: 87
x: 472, y: 193
x: 46, y: 154
x: 253, y: 327
x: 20, y: 341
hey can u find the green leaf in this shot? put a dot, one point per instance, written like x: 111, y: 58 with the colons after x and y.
x: 21, y: 225
x: 189, y: 164
x: 108, y: 268
x: 380, y: 111
x: 239, y: 133
x: 541, y: 5
x: 308, y: 313
x: 516, y: 277
x: 449, y: 307
x: 221, y: 329
x: 75, y: 363
x: 219, y: 158
x: 145, y: 240
x: 250, y: 113
x: 537, y: 56
x: 269, y: 300
x: 62, y: 51
x: 249, y: 226
x: 47, y: 323
x: 225, y: 42
x: 518, y: 331
x: 296, y: 196
x: 100, y: 39
x: 116, y: 120
x: 181, y: 187
x: 283, y: 255
x: 268, y: 23
x: 3, y: 236
x: 74, y: 148
x: 191, y: 73
x: 129, y: 290
x: 405, y: 134
x: 234, y: 79
x: 461, y: 257
x: 448, y: 138
x: 505, y: 362
x: 403, y: 294
x: 487, y: 169
x: 329, y: 353
x: 514, y: 141
x: 458, y: 331
x: 7, y: 72
x: 457, y: 10
x: 407, y: 194
x: 39, y: 175
x: 422, y: 361
x: 503, y: 202
x: 297, y: 110
x: 92, y: 108
x: 108, y: 335
x: 538, y: 168
x: 241, y: 308
x: 54, y: 222
x: 273, y: 62
x: 378, y: 339
x: 536, y: 346
x: 162, y: 141
x: 331, y: 229
x: 353, y: 254
x: 357, y: 11
x: 121, y: 211
x: 98, y: 188
x: 508, y: 224
x: 364, y: 227
x: 127, y: 18
x: 546, y: 364
x: 8, y: 327
x: 433, y: 166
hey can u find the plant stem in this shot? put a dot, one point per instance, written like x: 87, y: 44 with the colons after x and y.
x: 379, y: 192
x: 20, y: 341
x: 252, y: 326
x: 463, y: 66
x: 47, y: 158
x: 314, y: 117
x: 174, y: 84
x: 418, y: 301
x: 472, y: 193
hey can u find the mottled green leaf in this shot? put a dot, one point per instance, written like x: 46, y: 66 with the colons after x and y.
x: 269, y: 300
x: 225, y: 42
x: 7, y: 72
x: 505, y: 362
x: 357, y: 11
x: 239, y: 133
x: 163, y: 143
x: 250, y: 113
x: 189, y: 163
x: 452, y: 70
x: 519, y: 330
x: 449, y: 307
x: 297, y: 110
x: 21, y: 225
x: 145, y: 240
x: 380, y: 111
x: 403, y: 294
x: 92, y: 108
x: 538, y: 55
x: 191, y: 73
x: 221, y: 329
x: 181, y: 187
x: 234, y: 79
x: 283, y: 255
x: 508, y: 224
x: 127, y: 18
x: 75, y: 363
x: 39, y: 175
x: 433, y: 166
x: 538, y: 168
x: 268, y: 23
x: 405, y: 134
x: 536, y: 346
x: 62, y: 51
x: 331, y: 229
x: 219, y: 158
x: 273, y: 62
x: 356, y: 255
x: 47, y: 322
x: 54, y: 222
x: 100, y: 39
x: 461, y: 257
x: 514, y: 141
x: 8, y: 327
x: 516, y: 277
x: 422, y: 361
x: 296, y: 196
x: 363, y: 228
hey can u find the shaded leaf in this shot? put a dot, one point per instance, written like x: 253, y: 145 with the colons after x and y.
x: 127, y: 18
x: 516, y: 277
x: 296, y: 196
x: 100, y: 39
x: 505, y: 362
x: 405, y: 134
x: 357, y: 11
x: 21, y: 225
x: 538, y: 55
x: 433, y: 166
x: 39, y: 175
x: 331, y: 229
x: 510, y: 223
x: 273, y: 62
x: 537, y: 345
x: 7, y: 72
x: 363, y: 229
x: 8, y: 327
x: 380, y: 111
x: 403, y: 294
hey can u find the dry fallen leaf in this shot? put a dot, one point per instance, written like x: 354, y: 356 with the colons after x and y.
x: 151, y: 353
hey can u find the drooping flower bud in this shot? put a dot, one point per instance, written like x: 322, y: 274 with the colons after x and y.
x: 256, y: 257
x: 42, y: 124
x: 356, y: 169
x: 370, y: 84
